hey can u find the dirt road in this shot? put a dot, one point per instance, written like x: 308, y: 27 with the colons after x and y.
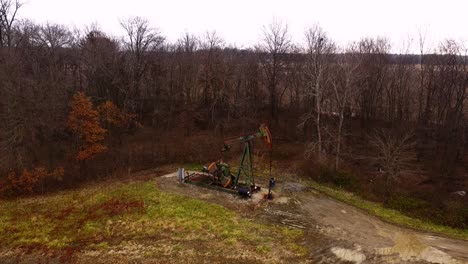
x: 334, y: 231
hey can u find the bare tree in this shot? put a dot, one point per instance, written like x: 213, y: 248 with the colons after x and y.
x: 211, y: 45
x: 25, y: 34
x: 449, y: 103
x: 250, y: 91
x: 398, y: 92
x: 33, y: 100
x: 393, y: 153
x: 187, y: 65
x: 101, y: 65
x: 141, y: 38
x: 8, y: 11
x: 319, y: 48
x: 54, y: 36
x: 344, y: 80
x: 421, y: 70
x: 276, y: 43
x: 375, y: 77
x: 294, y: 80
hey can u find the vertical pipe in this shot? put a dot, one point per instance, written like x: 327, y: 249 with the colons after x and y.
x: 181, y: 175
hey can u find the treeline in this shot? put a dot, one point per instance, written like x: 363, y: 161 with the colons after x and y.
x: 330, y: 96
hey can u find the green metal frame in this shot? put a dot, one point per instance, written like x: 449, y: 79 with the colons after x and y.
x: 245, y: 167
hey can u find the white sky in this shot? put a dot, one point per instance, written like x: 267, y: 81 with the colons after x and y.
x: 240, y: 21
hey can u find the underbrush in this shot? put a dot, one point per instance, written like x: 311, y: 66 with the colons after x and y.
x: 324, y: 173
x: 99, y: 217
x: 449, y: 211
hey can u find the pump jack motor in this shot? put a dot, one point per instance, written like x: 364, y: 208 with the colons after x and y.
x: 217, y: 175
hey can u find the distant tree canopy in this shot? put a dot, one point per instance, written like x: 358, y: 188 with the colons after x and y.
x: 63, y: 89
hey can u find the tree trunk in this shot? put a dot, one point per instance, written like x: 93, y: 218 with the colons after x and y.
x: 338, y: 146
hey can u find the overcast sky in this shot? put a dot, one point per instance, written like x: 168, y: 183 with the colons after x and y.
x: 239, y: 22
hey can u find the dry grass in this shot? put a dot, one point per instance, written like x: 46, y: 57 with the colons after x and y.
x: 104, y: 217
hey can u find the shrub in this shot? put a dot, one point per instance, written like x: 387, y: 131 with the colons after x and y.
x: 346, y: 179
x: 325, y: 173
x: 456, y: 213
x: 28, y: 180
x: 5, y: 187
x: 112, y: 115
x: 402, y: 202
x: 417, y: 208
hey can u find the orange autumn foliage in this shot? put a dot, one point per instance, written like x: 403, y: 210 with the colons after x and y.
x: 83, y: 120
x: 5, y: 187
x: 112, y: 115
x: 26, y: 181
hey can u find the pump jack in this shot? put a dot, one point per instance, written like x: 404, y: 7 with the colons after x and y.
x: 217, y: 175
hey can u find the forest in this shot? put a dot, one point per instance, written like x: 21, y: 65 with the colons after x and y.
x: 79, y: 105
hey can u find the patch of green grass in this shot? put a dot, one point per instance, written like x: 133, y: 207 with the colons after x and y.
x: 387, y: 214
x: 193, y: 166
x: 102, y: 245
x: 100, y: 217
x: 298, y: 249
x: 263, y: 248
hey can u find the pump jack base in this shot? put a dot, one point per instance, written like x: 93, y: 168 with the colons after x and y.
x: 207, y: 180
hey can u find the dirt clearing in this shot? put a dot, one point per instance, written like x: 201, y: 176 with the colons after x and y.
x: 333, y: 231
